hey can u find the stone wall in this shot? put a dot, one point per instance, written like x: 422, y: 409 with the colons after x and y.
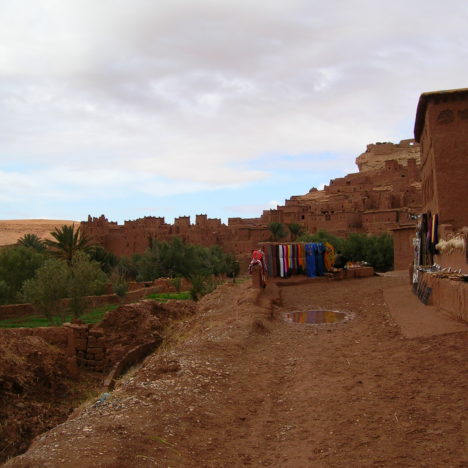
x: 87, y: 345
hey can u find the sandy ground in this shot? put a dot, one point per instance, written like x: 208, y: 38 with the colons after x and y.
x: 11, y: 230
x: 233, y: 387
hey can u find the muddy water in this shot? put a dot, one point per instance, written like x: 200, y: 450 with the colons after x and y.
x: 315, y: 316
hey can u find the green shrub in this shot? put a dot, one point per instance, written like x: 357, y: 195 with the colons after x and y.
x: 17, y: 264
x: 86, y: 279
x: 177, y: 283
x: 323, y: 236
x: 232, y: 267
x: 57, y: 279
x: 277, y: 231
x: 48, y: 287
x: 200, y: 287
x: 176, y: 259
x: 295, y: 230
x: 107, y: 260
x: 4, y: 292
x: 120, y: 288
x: 127, y: 267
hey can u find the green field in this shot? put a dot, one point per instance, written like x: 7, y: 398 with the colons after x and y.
x: 164, y: 297
x: 92, y: 316
x: 33, y: 321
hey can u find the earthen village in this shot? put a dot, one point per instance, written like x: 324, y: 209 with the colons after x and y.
x: 311, y: 360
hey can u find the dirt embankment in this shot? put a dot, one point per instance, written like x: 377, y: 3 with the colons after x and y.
x: 34, y: 390
x: 37, y: 389
x: 232, y: 388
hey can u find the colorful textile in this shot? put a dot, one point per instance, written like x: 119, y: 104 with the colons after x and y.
x: 329, y: 256
x: 311, y: 266
x: 319, y: 252
x: 280, y: 261
x: 284, y: 260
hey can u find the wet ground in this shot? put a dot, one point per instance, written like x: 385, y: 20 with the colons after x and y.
x: 315, y: 317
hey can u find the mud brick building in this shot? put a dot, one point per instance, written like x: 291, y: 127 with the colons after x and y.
x: 382, y: 196
x: 441, y: 127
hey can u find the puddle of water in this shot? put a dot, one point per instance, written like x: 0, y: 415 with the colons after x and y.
x: 315, y: 316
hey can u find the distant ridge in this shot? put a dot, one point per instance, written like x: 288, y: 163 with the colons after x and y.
x: 12, y: 229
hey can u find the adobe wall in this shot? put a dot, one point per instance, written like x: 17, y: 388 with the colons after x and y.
x: 448, y: 296
x: 403, y: 247
x: 10, y: 311
x: 444, y: 146
x: 456, y: 261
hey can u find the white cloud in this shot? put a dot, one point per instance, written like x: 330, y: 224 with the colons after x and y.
x: 251, y: 209
x: 174, y: 97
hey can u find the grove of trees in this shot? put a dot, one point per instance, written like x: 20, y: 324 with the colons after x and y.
x: 70, y: 266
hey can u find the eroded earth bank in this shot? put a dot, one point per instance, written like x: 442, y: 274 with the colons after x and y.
x: 233, y: 387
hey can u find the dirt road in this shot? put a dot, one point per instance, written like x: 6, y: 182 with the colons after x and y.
x: 234, y: 388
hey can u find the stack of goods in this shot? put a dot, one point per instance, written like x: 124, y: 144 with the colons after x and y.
x: 284, y: 260
x: 454, y: 276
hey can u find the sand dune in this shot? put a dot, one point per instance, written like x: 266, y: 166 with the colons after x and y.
x: 12, y: 229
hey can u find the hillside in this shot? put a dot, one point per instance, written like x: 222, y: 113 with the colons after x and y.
x: 12, y: 229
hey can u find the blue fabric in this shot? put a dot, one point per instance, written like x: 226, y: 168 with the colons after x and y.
x: 311, y: 265
x: 321, y: 249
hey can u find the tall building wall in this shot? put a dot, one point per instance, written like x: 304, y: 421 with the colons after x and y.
x: 442, y: 128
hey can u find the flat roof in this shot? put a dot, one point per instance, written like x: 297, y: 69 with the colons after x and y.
x: 422, y: 106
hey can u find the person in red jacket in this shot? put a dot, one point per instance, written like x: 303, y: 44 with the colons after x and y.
x: 258, y: 258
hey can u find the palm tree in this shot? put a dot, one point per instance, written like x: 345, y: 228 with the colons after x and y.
x: 277, y: 231
x: 296, y: 230
x: 32, y: 241
x: 68, y: 241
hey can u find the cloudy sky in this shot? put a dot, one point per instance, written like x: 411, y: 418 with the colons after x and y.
x: 175, y: 107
